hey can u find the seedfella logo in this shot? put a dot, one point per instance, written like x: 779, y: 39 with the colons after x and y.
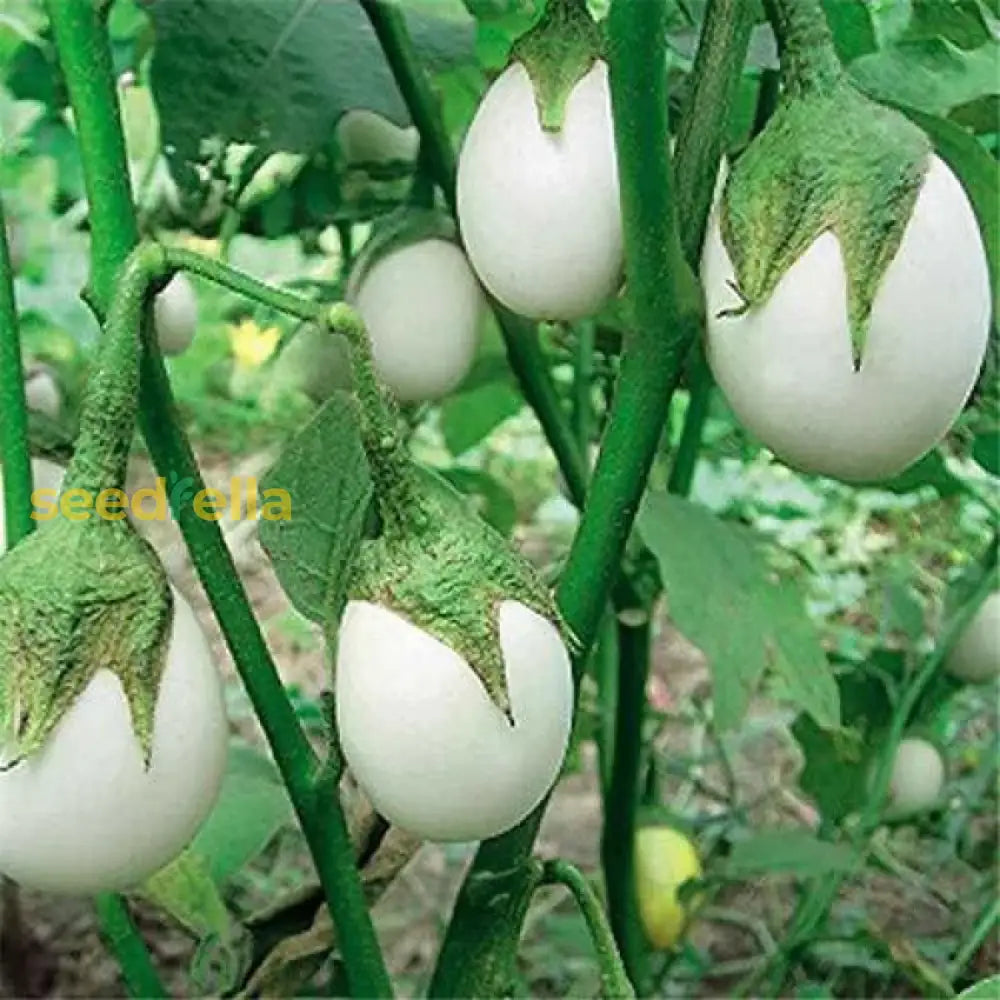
x: 153, y: 503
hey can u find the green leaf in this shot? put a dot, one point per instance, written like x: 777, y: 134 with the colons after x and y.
x: 790, y: 852
x: 853, y: 31
x: 279, y: 73
x: 489, y: 497
x: 986, y: 451
x: 963, y: 22
x: 467, y: 418
x: 838, y: 762
x: 252, y: 807
x: 933, y: 75
x: 985, y: 989
x: 187, y: 891
x: 927, y: 471
x: 325, y: 472
x: 724, y: 598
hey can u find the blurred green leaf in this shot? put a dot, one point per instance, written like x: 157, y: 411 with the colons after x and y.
x: 928, y: 471
x: 986, y: 451
x: 279, y: 73
x: 964, y: 22
x: 324, y: 470
x: 985, y: 989
x: 837, y: 762
x: 853, y: 31
x: 252, y: 807
x: 724, y: 598
x: 492, y: 500
x: 933, y: 74
x: 790, y: 852
x: 468, y: 417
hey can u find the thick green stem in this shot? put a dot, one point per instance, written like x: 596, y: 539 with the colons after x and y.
x: 689, y: 446
x: 615, y: 981
x: 107, y: 423
x: 15, y: 454
x: 520, y: 336
x: 126, y: 944
x: 809, y: 60
x: 84, y: 55
x: 701, y: 134
x: 618, y: 838
x: 667, y: 317
x: 396, y: 491
x: 583, y: 383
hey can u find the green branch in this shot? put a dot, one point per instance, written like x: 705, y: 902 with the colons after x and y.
x: 86, y: 63
x: 614, y: 979
x: 125, y: 943
x: 15, y: 454
x: 618, y: 835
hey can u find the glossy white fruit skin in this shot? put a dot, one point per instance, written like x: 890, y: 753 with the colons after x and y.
x: 423, y: 309
x: 46, y: 475
x: 917, y: 775
x: 976, y: 656
x: 539, y: 211
x: 84, y: 815
x: 175, y: 314
x: 786, y: 366
x: 422, y: 737
x: 367, y: 138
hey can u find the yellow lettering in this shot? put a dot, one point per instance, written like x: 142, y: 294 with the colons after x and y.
x: 277, y: 509
x: 74, y: 505
x: 111, y: 505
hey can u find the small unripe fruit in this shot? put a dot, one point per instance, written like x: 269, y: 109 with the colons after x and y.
x: 423, y: 308
x: 175, y: 315
x: 664, y: 860
x: 917, y: 775
x: 436, y: 756
x: 84, y: 814
x: 976, y: 656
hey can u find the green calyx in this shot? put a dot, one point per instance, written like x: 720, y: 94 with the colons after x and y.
x: 447, y: 571
x: 107, y: 606
x: 86, y: 592
x: 829, y: 160
x: 557, y: 54
x: 399, y: 229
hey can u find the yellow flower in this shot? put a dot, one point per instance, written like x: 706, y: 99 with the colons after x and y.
x: 251, y: 345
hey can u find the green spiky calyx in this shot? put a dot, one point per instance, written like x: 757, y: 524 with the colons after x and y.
x: 399, y: 229
x: 557, y: 54
x: 77, y: 597
x: 828, y: 161
x: 448, y: 572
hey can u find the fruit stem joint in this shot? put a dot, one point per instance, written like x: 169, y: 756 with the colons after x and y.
x: 809, y: 60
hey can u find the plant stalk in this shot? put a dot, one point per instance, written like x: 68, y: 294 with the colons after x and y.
x: 809, y: 61
x: 15, y: 454
x: 84, y: 54
x: 614, y: 979
x: 125, y: 943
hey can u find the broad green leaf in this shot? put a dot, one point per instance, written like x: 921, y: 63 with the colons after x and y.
x: 325, y: 472
x: 986, y: 451
x: 279, y: 73
x: 933, y: 75
x: 853, y: 31
x: 723, y: 596
x: 469, y: 417
x: 500, y: 24
x: 838, y: 762
x: 985, y: 989
x: 791, y: 852
x: 963, y: 22
x: 186, y: 890
x: 252, y: 807
x: 491, y: 499
x: 927, y: 471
